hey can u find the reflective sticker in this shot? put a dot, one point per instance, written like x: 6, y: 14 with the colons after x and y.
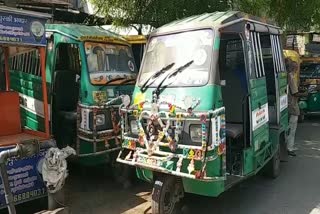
x: 191, y: 166
x: 283, y: 102
x: 198, y: 154
x: 130, y: 65
x: 191, y: 154
x: 179, y: 165
x: 160, y: 135
x: 172, y: 109
x: 185, y: 152
x: 203, y: 118
x: 99, y: 96
x: 138, y: 98
x: 260, y: 116
x: 132, y: 144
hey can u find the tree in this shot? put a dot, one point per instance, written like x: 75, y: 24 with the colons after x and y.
x: 259, y: 8
x: 154, y: 12
x: 292, y: 15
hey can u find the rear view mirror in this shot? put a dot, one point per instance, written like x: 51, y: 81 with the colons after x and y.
x: 223, y: 82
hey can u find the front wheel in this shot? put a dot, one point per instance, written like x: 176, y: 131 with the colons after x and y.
x: 166, y: 194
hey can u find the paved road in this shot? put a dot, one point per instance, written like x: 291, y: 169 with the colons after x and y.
x: 296, y: 191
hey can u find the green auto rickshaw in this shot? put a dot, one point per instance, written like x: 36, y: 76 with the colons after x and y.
x: 88, y: 70
x: 209, y: 107
x: 310, y: 82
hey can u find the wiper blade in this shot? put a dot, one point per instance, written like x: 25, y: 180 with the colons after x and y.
x: 110, y: 81
x: 174, y: 73
x: 155, y: 76
x: 127, y: 81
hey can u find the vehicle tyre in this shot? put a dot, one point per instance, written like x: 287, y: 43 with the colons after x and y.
x: 272, y: 169
x: 166, y: 194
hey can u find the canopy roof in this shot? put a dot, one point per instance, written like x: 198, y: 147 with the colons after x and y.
x: 210, y: 20
x: 85, y: 33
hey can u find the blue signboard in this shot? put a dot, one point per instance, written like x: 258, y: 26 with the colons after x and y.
x: 22, y: 29
x: 25, y: 181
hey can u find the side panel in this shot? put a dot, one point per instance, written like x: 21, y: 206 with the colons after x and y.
x: 259, y: 113
x: 283, y: 100
x: 25, y: 78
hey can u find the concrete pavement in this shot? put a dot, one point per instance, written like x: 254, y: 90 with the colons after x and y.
x: 296, y: 191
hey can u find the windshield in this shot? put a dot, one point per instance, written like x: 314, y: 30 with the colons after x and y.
x: 109, y: 61
x: 180, y: 49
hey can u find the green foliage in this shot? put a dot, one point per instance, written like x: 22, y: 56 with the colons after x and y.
x: 292, y: 15
x: 259, y: 8
x: 296, y: 15
x: 155, y: 12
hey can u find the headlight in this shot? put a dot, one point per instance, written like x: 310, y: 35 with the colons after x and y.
x: 100, y: 119
x: 195, y: 133
x: 134, y: 127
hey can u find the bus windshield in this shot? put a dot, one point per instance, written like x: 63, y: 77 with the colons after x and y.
x: 109, y: 61
x: 179, y: 48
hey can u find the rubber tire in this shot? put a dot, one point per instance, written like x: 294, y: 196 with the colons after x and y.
x: 272, y: 169
x: 161, y: 185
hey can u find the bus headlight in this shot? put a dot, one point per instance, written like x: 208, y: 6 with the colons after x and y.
x: 195, y: 133
x: 134, y: 127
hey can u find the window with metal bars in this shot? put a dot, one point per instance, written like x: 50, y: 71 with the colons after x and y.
x: 68, y: 57
x: 277, y: 54
x: 257, y: 54
x: 27, y: 62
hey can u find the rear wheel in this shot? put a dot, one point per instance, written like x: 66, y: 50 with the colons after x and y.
x: 166, y: 194
x: 272, y: 169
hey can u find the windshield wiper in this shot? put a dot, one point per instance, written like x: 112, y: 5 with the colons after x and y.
x: 110, y: 81
x: 127, y: 81
x: 171, y: 74
x: 155, y: 76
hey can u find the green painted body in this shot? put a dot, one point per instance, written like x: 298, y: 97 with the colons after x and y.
x: 311, y: 103
x: 29, y: 85
x: 284, y: 114
x: 264, y: 137
x: 263, y: 145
